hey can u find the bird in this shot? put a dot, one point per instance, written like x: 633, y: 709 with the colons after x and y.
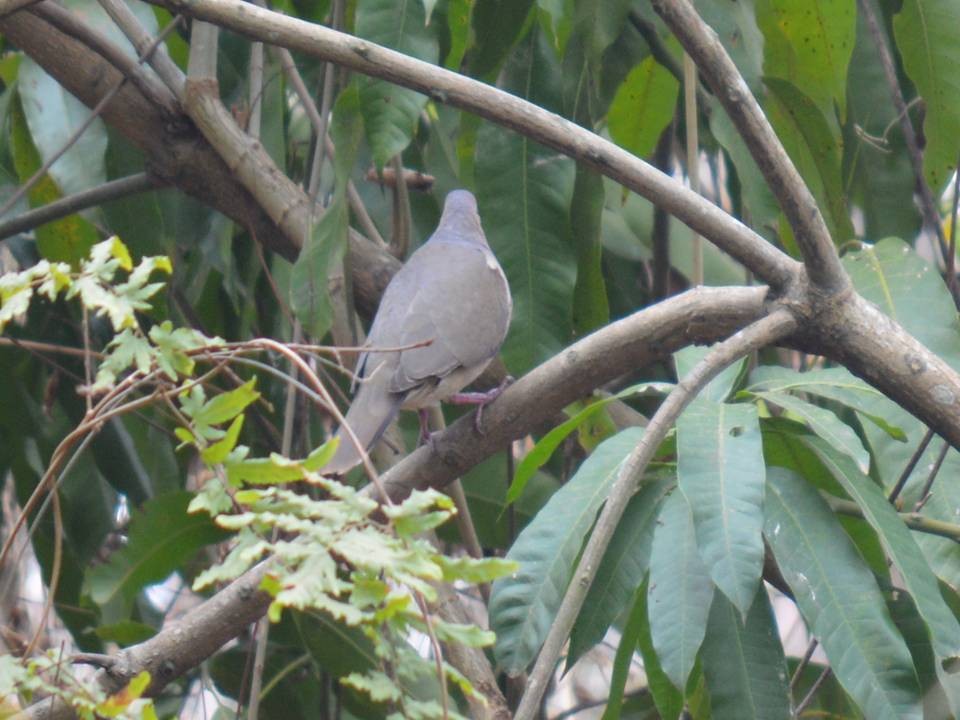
x: 448, y: 309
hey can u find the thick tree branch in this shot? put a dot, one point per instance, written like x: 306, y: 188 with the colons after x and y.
x: 703, y: 315
x: 507, y: 110
x: 809, y: 229
x: 760, y: 334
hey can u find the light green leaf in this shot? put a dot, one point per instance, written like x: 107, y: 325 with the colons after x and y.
x: 839, y: 599
x: 722, y: 385
x: 809, y: 43
x: 926, y: 35
x: 218, y: 451
x: 523, y: 606
x: 720, y: 471
x: 643, y: 107
x: 680, y: 591
x: 743, y: 662
x: 227, y: 405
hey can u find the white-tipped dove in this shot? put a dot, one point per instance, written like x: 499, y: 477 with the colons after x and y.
x: 450, y: 293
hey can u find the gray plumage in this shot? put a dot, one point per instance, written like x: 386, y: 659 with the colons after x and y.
x: 452, y: 292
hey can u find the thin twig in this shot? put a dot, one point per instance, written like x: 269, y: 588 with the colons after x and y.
x: 765, y: 331
x: 952, y: 250
x: 804, y: 661
x: 691, y: 123
x: 113, y: 190
x: 934, y: 471
x: 808, y: 698
x: 911, y: 464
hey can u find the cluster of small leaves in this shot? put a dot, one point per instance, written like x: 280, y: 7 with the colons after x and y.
x: 48, y: 676
x: 97, y: 287
x: 327, y: 551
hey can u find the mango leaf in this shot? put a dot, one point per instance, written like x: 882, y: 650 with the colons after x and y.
x: 622, y: 569
x: 643, y: 107
x: 636, y: 619
x: 523, y: 606
x: 900, y: 547
x: 666, y: 697
x: 720, y: 387
x: 497, y: 26
x: 163, y: 536
x: 66, y: 240
x: 590, y: 307
x: 925, y: 32
x: 735, y: 23
x: 524, y: 192
x: 743, y: 662
x: 720, y: 471
x: 824, y: 423
x: 839, y: 599
x: 905, y: 287
x: 680, y: 591
x: 391, y: 112
x: 809, y: 43
x: 309, y: 294
x: 813, y: 141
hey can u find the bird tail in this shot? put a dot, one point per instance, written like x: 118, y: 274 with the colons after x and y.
x: 369, y: 415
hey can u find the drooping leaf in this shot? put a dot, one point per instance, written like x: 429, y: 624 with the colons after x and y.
x: 925, y: 32
x: 523, y: 606
x: 839, y: 599
x: 735, y: 23
x: 391, y: 112
x: 590, y: 307
x: 743, y: 662
x: 497, y: 25
x: 636, y: 619
x: 680, y: 591
x: 668, y: 699
x: 720, y: 471
x: 622, y: 569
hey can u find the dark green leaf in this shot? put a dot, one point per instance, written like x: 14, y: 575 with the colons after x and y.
x: 590, y: 307
x: 309, y: 294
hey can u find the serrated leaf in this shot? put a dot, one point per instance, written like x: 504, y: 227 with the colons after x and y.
x: 523, y: 606
x: 162, y: 537
x: 839, y: 599
x: 925, y: 32
x: 680, y: 591
x: 720, y: 470
x: 227, y: 405
x: 218, y: 451
x: 643, y: 107
x: 744, y: 664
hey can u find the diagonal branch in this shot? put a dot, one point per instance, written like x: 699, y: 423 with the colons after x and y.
x: 768, y: 263
x: 796, y: 200
x: 766, y: 331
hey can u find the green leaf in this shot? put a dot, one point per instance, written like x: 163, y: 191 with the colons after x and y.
x: 636, y: 619
x: 743, y: 662
x: 590, y: 307
x: 680, y: 591
x: 309, y: 293
x: 622, y: 569
x: 497, y: 25
x: 925, y: 31
x: 523, y: 606
x: 735, y: 23
x: 720, y: 471
x: 839, y: 599
x: 218, y: 451
x: 163, y: 536
x: 824, y: 423
x: 524, y: 191
x: 391, y: 112
x: 643, y: 107
x: 668, y: 699
x: 836, y: 384
x: 68, y: 239
x: 809, y: 43
x: 813, y: 141
x: 900, y: 547
x: 226, y: 406
x: 721, y: 386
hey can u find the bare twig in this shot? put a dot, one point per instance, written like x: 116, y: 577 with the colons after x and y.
x: 113, y: 190
x: 770, y: 329
x: 911, y: 464
x: 691, y: 122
